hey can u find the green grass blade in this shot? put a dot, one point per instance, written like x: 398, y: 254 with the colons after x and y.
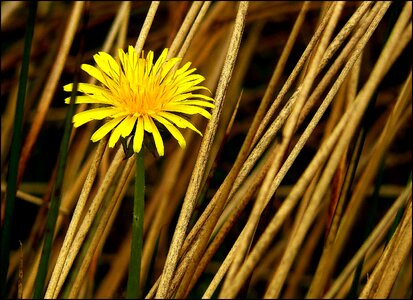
x: 15, y: 151
x: 370, y: 223
x: 398, y: 217
x: 56, y: 198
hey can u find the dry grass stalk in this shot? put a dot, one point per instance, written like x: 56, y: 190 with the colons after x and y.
x: 395, y: 252
x: 376, y: 75
x: 193, y: 188
x: 146, y: 26
x: 291, y: 78
x: 270, y: 190
x: 184, y: 29
x: 75, y: 220
x: 309, y: 128
x: 183, y: 49
x: 98, y: 235
x: 372, y: 242
x: 50, y: 86
x: 87, y: 221
x: 171, y: 174
x: 287, y: 134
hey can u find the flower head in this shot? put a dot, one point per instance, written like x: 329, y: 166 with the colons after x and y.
x: 138, y: 95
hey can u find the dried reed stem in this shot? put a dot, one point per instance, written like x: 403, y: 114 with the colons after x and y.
x: 184, y: 29
x: 70, y: 234
x: 146, y: 26
x: 194, y: 186
x: 402, y: 248
x: 388, y: 55
x: 194, y: 29
x: 288, y: 131
x: 372, y: 241
x: 292, y: 77
x: 50, y: 87
x: 87, y: 221
x: 103, y: 223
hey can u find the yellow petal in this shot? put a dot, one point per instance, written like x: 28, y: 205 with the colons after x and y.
x: 123, y: 129
x: 129, y: 123
x: 187, y: 109
x: 87, y: 88
x: 168, y: 66
x: 68, y: 87
x: 132, y: 52
x: 157, y: 138
x: 189, y: 82
x: 200, y: 96
x: 173, y: 130
x: 183, y: 98
x: 121, y: 113
x: 186, y: 76
x: 93, y: 114
x: 123, y: 58
x: 128, y: 62
x: 147, y: 125
x: 198, y: 103
x: 133, y: 59
x: 138, y: 139
x: 195, y: 88
x: 114, y: 137
x: 149, y: 63
x: 107, y: 64
x: 185, y: 86
x: 88, y: 99
x: 160, y: 61
x: 179, y: 98
x: 94, y: 72
x: 182, y: 69
x: 105, y: 129
x: 179, y: 121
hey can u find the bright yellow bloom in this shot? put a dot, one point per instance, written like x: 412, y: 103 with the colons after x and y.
x: 138, y: 95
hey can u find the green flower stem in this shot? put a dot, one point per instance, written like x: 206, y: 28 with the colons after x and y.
x: 15, y: 152
x: 133, y: 288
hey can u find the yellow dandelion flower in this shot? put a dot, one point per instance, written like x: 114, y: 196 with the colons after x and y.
x: 138, y: 95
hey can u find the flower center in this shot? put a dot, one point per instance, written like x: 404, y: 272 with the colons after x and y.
x: 146, y: 98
